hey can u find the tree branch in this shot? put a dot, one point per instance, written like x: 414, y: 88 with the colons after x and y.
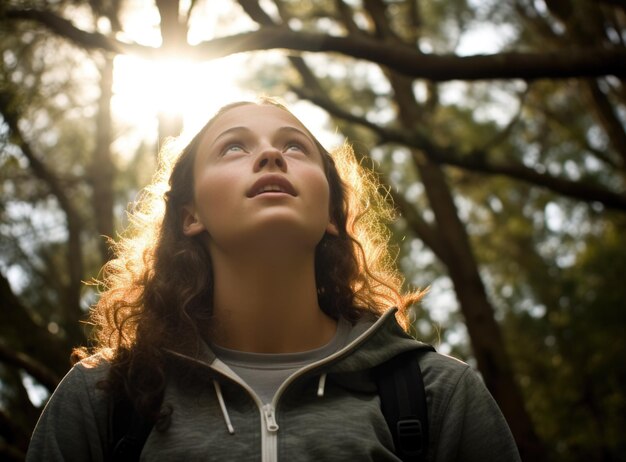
x: 346, y: 16
x: 34, y: 368
x: 426, y: 232
x: 615, y: 3
x: 609, y: 120
x: 173, y: 31
x: 407, y: 61
x: 584, y: 62
x: 256, y: 13
x: 65, y: 28
x: 39, y: 342
x: 377, y: 11
x: 505, y: 133
x: 577, y: 190
x: 477, y: 160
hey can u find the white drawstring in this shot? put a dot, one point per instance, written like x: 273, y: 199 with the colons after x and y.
x: 220, y: 399
x: 321, y: 385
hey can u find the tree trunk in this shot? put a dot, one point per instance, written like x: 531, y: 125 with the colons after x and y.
x: 456, y: 253
x: 174, y: 39
x: 102, y: 168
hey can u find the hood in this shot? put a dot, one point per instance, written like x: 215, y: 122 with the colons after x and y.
x: 373, y: 342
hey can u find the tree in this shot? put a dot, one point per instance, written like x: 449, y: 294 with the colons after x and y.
x: 537, y: 139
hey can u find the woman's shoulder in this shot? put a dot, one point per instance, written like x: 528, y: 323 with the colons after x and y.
x: 94, y: 364
x: 444, y: 376
x: 75, y: 417
x: 439, y: 363
x: 465, y: 421
x: 88, y: 372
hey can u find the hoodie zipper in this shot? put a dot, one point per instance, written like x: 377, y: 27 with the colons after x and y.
x: 270, y: 418
x: 269, y: 425
x: 270, y: 451
x: 270, y: 434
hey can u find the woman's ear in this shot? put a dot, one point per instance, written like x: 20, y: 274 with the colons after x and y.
x: 331, y: 228
x: 191, y: 222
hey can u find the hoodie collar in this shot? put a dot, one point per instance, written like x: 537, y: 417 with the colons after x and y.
x: 370, y: 342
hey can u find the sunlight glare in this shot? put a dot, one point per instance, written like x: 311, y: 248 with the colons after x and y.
x: 143, y: 89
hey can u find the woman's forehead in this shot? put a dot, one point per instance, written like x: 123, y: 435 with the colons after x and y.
x: 254, y: 117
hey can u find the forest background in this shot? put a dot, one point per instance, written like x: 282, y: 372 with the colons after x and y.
x: 496, y: 127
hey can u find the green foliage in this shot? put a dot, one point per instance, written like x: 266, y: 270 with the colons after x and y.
x: 569, y: 353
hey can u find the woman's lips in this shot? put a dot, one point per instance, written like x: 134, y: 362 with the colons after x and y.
x: 271, y: 184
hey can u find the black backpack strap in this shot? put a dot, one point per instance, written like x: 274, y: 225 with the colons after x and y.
x: 403, y: 403
x: 129, y: 431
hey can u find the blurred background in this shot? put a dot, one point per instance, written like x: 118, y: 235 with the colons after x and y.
x: 498, y: 129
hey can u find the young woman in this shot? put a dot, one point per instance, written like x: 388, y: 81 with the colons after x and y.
x: 246, y: 309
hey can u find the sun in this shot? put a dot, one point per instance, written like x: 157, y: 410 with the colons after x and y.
x: 143, y: 89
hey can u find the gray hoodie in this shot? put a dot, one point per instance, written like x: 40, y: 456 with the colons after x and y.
x: 327, y: 411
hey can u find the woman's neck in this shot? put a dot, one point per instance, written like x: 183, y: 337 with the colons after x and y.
x: 268, y: 304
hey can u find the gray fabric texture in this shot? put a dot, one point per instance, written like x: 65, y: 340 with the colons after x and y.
x: 344, y: 424
x: 266, y: 372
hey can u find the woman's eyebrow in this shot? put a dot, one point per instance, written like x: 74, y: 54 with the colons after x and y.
x: 228, y: 132
x: 291, y: 129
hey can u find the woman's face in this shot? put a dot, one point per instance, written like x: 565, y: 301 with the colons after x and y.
x: 258, y: 180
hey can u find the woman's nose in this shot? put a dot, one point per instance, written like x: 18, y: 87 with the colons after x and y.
x: 270, y: 159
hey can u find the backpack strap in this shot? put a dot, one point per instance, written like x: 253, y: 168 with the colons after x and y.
x: 403, y: 403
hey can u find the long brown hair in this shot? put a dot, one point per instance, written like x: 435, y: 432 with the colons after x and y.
x: 155, y: 291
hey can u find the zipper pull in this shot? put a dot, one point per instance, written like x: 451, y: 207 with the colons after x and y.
x: 270, y: 418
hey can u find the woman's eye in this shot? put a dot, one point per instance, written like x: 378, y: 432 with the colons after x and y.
x: 233, y: 148
x: 294, y: 147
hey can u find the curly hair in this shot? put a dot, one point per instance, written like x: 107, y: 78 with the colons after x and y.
x: 155, y: 291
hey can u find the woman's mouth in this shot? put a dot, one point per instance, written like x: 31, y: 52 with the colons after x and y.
x: 271, y: 184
